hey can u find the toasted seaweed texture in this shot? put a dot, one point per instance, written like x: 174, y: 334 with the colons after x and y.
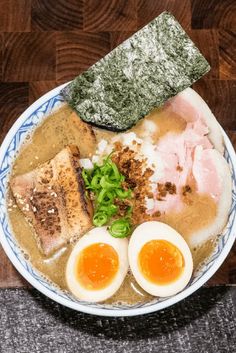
x: 153, y: 65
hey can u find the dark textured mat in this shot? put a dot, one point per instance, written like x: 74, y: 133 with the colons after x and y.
x: 205, y: 322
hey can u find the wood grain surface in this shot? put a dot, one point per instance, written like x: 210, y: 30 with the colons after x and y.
x: 44, y: 43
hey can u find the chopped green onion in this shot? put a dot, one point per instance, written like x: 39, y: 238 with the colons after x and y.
x: 108, y: 184
x: 105, y: 181
x: 85, y: 175
x: 106, y: 169
x: 110, y: 210
x: 120, y: 228
x: 105, y: 197
x: 95, y: 182
x: 123, y: 194
x: 99, y: 219
x: 129, y: 210
x: 116, y: 172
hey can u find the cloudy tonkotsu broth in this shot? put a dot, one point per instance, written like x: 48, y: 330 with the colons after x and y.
x: 50, y: 137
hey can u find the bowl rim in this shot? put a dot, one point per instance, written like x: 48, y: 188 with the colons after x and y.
x: 103, y: 311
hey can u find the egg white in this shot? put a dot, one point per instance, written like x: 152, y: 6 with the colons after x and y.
x: 159, y: 231
x: 97, y: 235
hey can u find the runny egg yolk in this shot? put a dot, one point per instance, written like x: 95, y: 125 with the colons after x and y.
x: 160, y: 262
x: 96, y: 266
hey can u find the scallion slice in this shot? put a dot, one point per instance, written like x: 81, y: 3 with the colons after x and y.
x: 120, y: 228
x: 99, y: 219
x: 105, y: 181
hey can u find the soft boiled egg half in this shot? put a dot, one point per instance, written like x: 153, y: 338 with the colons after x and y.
x: 97, y: 265
x: 160, y: 259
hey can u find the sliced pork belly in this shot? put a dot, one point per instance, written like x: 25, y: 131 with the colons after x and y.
x: 189, y: 105
x: 52, y: 197
x: 212, y: 176
x: 87, y: 140
x: 192, y: 160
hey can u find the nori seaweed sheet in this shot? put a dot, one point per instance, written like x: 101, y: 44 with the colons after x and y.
x: 154, y: 64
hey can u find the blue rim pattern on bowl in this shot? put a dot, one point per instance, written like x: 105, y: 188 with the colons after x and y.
x: 30, y: 123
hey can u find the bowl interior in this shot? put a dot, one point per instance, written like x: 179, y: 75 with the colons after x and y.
x: 28, y: 121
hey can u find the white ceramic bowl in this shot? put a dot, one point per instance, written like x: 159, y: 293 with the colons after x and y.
x: 28, y: 121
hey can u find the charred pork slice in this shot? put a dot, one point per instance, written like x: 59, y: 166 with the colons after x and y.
x: 85, y: 134
x: 52, y: 198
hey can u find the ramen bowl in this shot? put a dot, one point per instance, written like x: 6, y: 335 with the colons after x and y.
x: 28, y: 121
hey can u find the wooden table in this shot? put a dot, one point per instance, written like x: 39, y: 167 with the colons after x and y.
x: 44, y: 43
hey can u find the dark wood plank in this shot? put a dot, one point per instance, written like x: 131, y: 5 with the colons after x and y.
x: 29, y: 57
x: 113, y: 15
x: 227, y: 272
x: 209, y: 48
x: 13, y: 101
x: 15, y: 15
x: 74, y: 55
x: 117, y: 38
x: 59, y: 15
x: 213, y: 14
x: 221, y: 97
x: 232, y: 136
x: 149, y: 9
x: 9, y: 276
x: 227, y: 53
x: 1, y: 55
x: 39, y: 88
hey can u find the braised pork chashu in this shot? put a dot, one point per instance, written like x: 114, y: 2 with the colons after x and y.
x: 85, y: 134
x: 53, y: 199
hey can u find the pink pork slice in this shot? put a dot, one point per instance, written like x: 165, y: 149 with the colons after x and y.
x: 52, y: 198
x: 188, y: 150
